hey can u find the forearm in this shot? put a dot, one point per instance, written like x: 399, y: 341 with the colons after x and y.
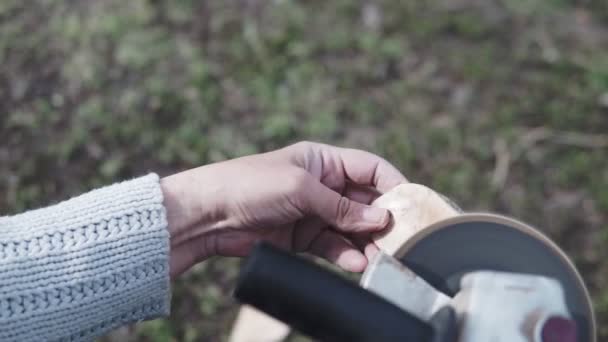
x: 85, y: 266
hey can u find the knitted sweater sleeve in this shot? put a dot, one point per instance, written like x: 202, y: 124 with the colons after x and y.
x: 75, y: 270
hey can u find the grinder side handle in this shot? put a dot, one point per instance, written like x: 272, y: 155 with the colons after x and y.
x: 320, y: 303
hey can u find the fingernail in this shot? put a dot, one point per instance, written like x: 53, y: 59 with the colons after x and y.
x: 376, y: 215
x: 354, y: 262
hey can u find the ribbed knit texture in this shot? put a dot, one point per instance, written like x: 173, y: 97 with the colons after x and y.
x: 75, y: 270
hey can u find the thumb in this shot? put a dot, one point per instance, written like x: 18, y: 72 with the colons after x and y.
x: 342, y: 213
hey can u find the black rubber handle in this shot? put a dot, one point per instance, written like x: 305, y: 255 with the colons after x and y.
x: 321, y: 304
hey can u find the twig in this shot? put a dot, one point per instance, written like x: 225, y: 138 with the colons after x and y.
x: 581, y: 139
x: 575, y: 139
x: 503, y: 163
x: 530, y: 138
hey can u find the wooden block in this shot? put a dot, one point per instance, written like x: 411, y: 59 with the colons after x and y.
x: 252, y: 325
x: 413, y: 207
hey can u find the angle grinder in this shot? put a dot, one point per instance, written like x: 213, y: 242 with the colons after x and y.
x: 442, y: 275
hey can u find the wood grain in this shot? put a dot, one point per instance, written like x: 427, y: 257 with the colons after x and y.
x: 413, y: 207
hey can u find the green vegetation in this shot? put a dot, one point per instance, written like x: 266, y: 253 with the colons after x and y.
x: 501, y: 105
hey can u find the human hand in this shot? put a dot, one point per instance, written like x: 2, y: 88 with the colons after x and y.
x: 307, y: 197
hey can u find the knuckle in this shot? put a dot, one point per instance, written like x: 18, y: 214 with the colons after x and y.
x: 297, y: 181
x: 342, y: 211
x: 304, y: 144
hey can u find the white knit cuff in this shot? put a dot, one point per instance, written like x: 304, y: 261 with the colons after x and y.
x: 80, y: 268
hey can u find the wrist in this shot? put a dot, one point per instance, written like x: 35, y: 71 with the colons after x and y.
x: 193, y: 203
x: 190, y: 218
x: 180, y: 209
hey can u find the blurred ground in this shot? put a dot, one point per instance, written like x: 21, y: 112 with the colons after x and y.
x: 500, y: 104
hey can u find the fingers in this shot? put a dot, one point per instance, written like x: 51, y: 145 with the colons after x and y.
x: 358, y: 166
x: 365, y: 244
x: 365, y: 195
x: 360, y: 193
x: 366, y: 168
x: 338, y: 250
x: 340, y: 212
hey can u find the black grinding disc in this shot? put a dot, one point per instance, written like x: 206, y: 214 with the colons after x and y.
x: 445, y: 251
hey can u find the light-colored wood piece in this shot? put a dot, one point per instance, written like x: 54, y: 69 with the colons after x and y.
x: 252, y: 325
x: 413, y: 207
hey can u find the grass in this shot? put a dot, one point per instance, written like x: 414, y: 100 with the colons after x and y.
x: 92, y: 92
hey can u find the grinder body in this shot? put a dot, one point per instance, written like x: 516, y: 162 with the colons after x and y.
x: 499, y: 279
x: 490, y: 306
